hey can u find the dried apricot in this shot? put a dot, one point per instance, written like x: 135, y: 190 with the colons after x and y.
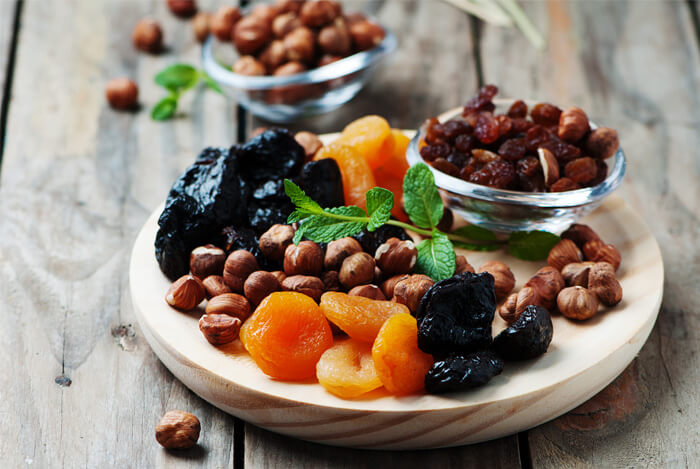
x: 347, y: 369
x: 371, y: 137
x: 389, y: 181
x: 360, y: 318
x: 287, y: 335
x: 356, y: 173
x: 397, y: 165
x: 400, y: 364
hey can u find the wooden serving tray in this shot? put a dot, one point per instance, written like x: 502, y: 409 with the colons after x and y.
x: 582, y: 359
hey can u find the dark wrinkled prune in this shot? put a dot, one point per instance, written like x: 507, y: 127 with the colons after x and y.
x: 441, y: 164
x: 465, y: 143
x: 370, y: 241
x: 208, y: 196
x: 322, y: 181
x: 518, y: 109
x: 268, y: 205
x: 486, y: 128
x: 497, y: 173
x: 482, y: 101
x: 545, y: 114
x: 462, y: 372
x: 274, y: 154
x: 233, y: 238
x: 512, y: 149
x: 528, y: 337
x: 434, y: 151
x: 455, y: 314
x: 454, y: 128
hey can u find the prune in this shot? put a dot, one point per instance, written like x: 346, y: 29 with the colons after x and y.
x: 505, y: 125
x: 518, y: 109
x: 208, y: 196
x: 233, y: 238
x: 457, y: 158
x: 536, y: 136
x: 434, y: 151
x: 528, y: 337
x: 462, y: 372
x: 455, y: 315
x: 486, y: 128
x: 512, y: 149
x: 581, y: 170
x: 370, y: 241
x: 322, y: 181
x: 498, y: 173
x: 268, y: 205
x: 465, y: 143
x: 529, y: 166
x: 441, y: 164
x: 545, y: 114
x: 454, y: 128
x: 482, y: 101
x: 274, y: 154
x: 433, y: 130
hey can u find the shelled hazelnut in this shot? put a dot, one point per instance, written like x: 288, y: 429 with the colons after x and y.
x: 503, y: 278
x: 147, y: 36
x: 576, y: 274
x: 239, y: 264
x: 275, y: 241
x: 305, y: 284
x: 219, y: 329
x: 200, y: 25
x: 258, y: 285
x: 396, y: 256
x: 602, y: 143
x: 306, y: 258
x: 185, y: 293
x: 357, y: 269
x: 410, y: 291
x: 372, y: 292
x: 597, y: 251
x: 507, y: 310
x: 207, y: 260
x: 316, y: 13
x: 122, y: 93
x: 330, y: 281
x: 289, y: 6
x: 577, y: 303
x: 178, y: 430
x: 366, y: 34
x: 563, y: 253
x: 580, y: 234
x: 265, y: 12
x: 214, y: 285
x: 273, y: 55
x: 223, y: 21
x: 389, y: 284
x: 285, y: 24
x: 250, y: 34
x: 603, y: 283
x: 573, y: 125
x: 461, y: 265
x: 300, y: 45
x: 279, y: 275
x: 338, y: 250
x: 232, y: 304
x: 547, y: 283
x: 248, y: 65
x: 335, y: 38
x: 528, y: 296
x: 183, y: 8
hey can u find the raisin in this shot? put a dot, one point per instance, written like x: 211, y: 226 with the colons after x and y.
x: 505, y: 125
x: 484, y: 156
x: 465, y: 143
x: 441, y: 164
x: 581, y: 170
x: 467, y: 171
x: 499, y: 174
x: 434, y: 151
x: 486, y: 128
x: 482, y: 101
x: 518, y: 109
x: 433, y: 130
x: 563, y: 185
x: 521, y: 125
x: 454, y: 128
x: 536, y: 137
x: 512, y: 149
x: 529, y: 166
x: 528, y: 337
x: 545, y: 114
x: 562, y: 151
x: 457, y: 158
x: 534, y: 183
x: 455, y: 314
x: 461, y: 372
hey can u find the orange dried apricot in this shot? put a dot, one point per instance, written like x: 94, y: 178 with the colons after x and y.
x: 390, y: 182
x: 347, y: 369
x: 371, y: 137
x: 400, y: 364
x: 356, y: 173
x: 359, y: 317
x: 287, y: 335
x: 397, y: 165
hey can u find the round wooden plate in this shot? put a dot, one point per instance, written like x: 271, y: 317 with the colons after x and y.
x: 582, y: 359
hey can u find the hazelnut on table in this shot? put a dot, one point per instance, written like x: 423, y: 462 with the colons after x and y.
x: 507, y: 310
x: 461, y: 265
x: 577, y: 303
x: 178, y: 430
x: 239, y: 264
x: 147, y: 36
x: 597, y: 251
x: 372, y: 292
x: 410, y: 291
x: 207, y: 260
x: 258, y: 285
x: 603, y: 283
x: 183, y: 8
x: 200, y: 25
x: 547, y: 283
x: 275, y: 241
x: 563, y: 253
x: 396, y: 256
x: 389, y: 284
x: 337, y: 251
x: 306, y: 258
x: 122, y: 93
x: 214, y: 285
x: 305, y: 284
x: 503, y: 277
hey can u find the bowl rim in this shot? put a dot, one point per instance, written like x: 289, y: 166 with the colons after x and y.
x: 461, y: 187
x: 341, y: 68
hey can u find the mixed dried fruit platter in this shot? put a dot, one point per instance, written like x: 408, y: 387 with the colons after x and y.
x: 342, y: 306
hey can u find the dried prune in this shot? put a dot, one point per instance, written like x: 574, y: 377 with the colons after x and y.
x: 434, y: 151
x: 371, y: 240
x: 465, y: 143
x: 486, y: 128
x: 512, y: 149
x: 274, y: 154
x: 454, y: 128
x: 518, y: 109
x: 322, y: 181
x: 208, y: 196
x: 528, y: 337
x: 482, y: 101
x: 498, y: 173
x: 462, y: 372
x: 545, y: 114
x: 455, y: 315
x: 441, y: 164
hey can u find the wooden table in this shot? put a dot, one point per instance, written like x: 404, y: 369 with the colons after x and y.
x: 79, y: 386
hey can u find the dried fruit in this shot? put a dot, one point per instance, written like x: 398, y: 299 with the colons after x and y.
x: 498, y: 173
x: 305, y: 284
x: 215, y: 286
x: 545, y: 114
x: 356, y: 174
x: 207, y: 260
x: 258, y: 285
x: 361, y: 318
x: 147, y: 36
x: 178, y: 430
x: 577, y: 303
x: 185, y: 293
x: 357, y: 269
x: 462, y: 372
x: 347, y: 369
x: 527, y: 337
x: 232, y: 304
x: 603, y: 283
x: 122, y: 93
x: 411, y: 290
x: 504, y: 280
x: 563, y: 253
x: 518, y: 109
x: 396, y: 256
x: 371, y: 137
x: 563, y: 185
x: 219, y: 329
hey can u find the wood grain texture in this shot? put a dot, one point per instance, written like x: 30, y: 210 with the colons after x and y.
x: 79, y: 385
x: 634, y: 67
x: 7, y: 18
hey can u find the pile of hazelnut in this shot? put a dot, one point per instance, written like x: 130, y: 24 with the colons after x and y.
x: 580, y: 274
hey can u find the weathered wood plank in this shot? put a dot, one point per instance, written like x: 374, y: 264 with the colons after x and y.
x: 7, y: 18
x: 78, y: 180
x: 633, y: 66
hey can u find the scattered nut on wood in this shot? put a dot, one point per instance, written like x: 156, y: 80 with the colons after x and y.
x: 178, y: 430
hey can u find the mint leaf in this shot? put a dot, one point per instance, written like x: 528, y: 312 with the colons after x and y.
x: 211, y: 83
x: 476, y: 247
x: 421, y: 198
x: 305, y: 205
x: 178, y: 77
x: 164, y: 109
x: 476, y: 233
x: 436, y: 257
x: 379, y: 204
x: 531, y: 245
x: 331, y: 224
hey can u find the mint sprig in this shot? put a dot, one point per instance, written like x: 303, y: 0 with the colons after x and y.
x: 177, y: 79
x: 422, y: 200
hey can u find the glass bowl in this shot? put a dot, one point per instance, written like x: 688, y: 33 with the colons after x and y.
x: 287, y: 98
x: 505, y: 211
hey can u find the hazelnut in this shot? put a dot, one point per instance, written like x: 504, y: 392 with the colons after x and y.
x: 290, y: 68
x: 368, y: 291
x: 410, y: 291
x: 207, y: 260
x: 577, y: 303
x: 250, y: 34
x: 462, y: 265
x: 579, y: 234
x: 239, y: 264
x: 317, y: 13
x: 266, y: 13
x: 550, y: 166
x: 309, y: 142
x: 389, y: 284
x: 602, y: 143
x: 338, y: 250
x: 185, y: 293
x: 573, y: 124
x: 335, y: 38
x: 597, y: 251
x: 328, y: 59
x: 563, y: 253
x: 581, y: 170
x: 178, y: 430
x: 396, y: 256
x: 273, y: 55
x: 289, y: 6
x: 200, y: 25
x: 219, y: 329
x: 300, y: 45
x: 379, y: 276
x: 222, y: 22
x: 547, y: 282
x: 577, y: 274
x: 232, y: 304
x: 306, y: 258
x: 354, y: 17
x: 503, y: 278
x: 603, y: 283
x: 214, y: 285
x: 147, y: 36
x: 357, y: 269
x: 258, y: 285
x: 366, y: 34
x: 527, y: 296
x: 285, y: 24
x: 248, y: 65
x: 507, y: 309
x: 122, y: 93
x: 330, y: 281
x: 182, y: 8
x: 279, y: 275
x: 275, y: 241
x: 563, y: 185
x: 305, y: 284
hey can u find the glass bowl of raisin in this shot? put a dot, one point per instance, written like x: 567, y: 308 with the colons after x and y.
x: 512, y: 165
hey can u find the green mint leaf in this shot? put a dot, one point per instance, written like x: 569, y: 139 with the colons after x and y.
x: 305, y: 205
x: 476, y: 247
x: 164, y: 109
x: 326, y: 227
x: 436, y: 257
x: 178, y: 77
x: 295, y: 217
x: 476, y: 233
x: 379, y: 204
x: 421, y: 198
x: 211, y: 83
x: 531, y: 245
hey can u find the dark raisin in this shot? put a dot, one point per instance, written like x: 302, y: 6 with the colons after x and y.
x: 529, y: 166
x: 486, y: 128
x: 545, y: 114
x: 446, y: 221
x: 457, y: 158
x: 528, y: 337
x: 518, y: 109
x: 465, y: 172
x: 533, y: 183
x: 512, y: 149
x: 499, y: 174
x: 441, y: 164
x: 563, y: 185
x: 462, y: 372
x: 581, y: 170
x: 521, y: 125
x: 562, y: 151
x: 536, y: 137
x: 433, y: 130
x: 505, y: 125
x: 434, y: 151
x: 482, y: 101
x: 454, y: 128
x: 465, y: 143
x: 484, y: 156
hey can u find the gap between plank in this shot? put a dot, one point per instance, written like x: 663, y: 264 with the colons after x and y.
x: 694, y: 18
x: 524, y: 450
x: 9, y: 73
